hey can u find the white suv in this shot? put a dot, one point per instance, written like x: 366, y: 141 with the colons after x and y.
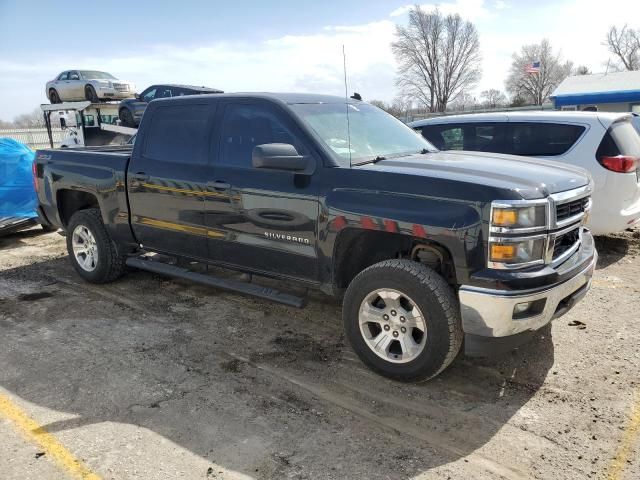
x: 606, y: 144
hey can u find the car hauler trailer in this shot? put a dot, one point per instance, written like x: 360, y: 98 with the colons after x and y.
x: 88, y: 124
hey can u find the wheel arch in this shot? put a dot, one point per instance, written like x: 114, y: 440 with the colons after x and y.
x: 70, y: 201
x: 355, y: 249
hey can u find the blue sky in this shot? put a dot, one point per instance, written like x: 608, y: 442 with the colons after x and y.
x: 270, y: 45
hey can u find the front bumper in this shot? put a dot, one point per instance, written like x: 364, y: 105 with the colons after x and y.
x: 490, y: 312
x: 105, y: 92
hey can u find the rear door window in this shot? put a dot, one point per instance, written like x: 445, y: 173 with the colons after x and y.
x: 444, y: 137
x: 179, y: 133
x: 542, y: 139
x: 481, y: 137
x: 165, y: 92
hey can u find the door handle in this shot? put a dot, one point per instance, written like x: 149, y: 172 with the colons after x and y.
x: 140, y: 177
x: 218, y: 185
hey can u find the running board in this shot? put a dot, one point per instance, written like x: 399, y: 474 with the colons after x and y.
x: 222, y: 283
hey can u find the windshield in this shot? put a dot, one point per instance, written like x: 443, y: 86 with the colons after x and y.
x: 95, y: 75
x: 374, y: 133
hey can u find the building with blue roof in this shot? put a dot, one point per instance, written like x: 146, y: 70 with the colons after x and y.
x: 608, y: 92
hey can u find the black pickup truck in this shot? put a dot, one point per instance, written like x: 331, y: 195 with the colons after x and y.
x: 427, y: 248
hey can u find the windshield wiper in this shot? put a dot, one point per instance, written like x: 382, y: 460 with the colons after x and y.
x: 372, y: 160
x: 387, y: 157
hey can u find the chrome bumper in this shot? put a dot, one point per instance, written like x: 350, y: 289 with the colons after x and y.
x: 490, y: 313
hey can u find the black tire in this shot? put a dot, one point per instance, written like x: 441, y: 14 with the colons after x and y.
x: 126, y: 118
x: 54, y: 97
x: 110, y: 265
x: 435, y: 299
x: 90, y: 94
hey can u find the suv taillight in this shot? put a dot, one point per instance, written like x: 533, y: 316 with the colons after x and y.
x: 34, y: 170
x: 620, y: 163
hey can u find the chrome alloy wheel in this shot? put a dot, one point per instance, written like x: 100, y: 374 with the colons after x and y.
x: 392, y: 325
x: 84, y: 248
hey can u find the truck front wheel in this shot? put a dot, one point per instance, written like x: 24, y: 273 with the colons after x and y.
x: 403, y: 320
x: 91, y: 250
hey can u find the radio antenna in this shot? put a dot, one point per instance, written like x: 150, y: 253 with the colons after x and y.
x: 346, y: 101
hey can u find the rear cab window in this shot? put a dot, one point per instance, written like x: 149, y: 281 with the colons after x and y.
x: 179, y: 133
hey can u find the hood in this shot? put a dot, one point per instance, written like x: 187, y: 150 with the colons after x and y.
x: 530, y: 178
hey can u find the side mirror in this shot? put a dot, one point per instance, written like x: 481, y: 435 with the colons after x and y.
x: 137, y: 96
x: 279, y: 156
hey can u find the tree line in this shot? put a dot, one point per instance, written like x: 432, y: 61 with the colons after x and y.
x: 34, y: 119
x: 439, y: 65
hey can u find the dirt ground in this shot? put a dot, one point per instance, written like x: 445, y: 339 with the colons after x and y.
x: 154, y: 378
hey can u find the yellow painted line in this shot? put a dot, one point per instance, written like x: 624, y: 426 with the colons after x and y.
x: 180, y: 228
x: 33, y: 432
x: 616, y: 469
x: 186, y: 191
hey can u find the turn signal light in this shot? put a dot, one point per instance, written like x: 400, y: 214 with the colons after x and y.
x: 505, y: 217
x: 620, y: 163
x: 502, y: 252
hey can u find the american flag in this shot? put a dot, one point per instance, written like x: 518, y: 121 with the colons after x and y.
x: 533, y: 67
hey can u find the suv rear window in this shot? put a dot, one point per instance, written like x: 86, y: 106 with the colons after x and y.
x: 542, y: 139
x: 620, y: 139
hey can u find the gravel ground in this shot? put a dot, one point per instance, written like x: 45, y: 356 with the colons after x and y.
x: 155, y: 378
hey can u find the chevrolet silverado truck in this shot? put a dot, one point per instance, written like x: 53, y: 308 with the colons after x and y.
x: 427, y: 249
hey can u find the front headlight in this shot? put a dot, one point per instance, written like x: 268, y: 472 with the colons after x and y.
x: 517, y: 233
x: 509, y: 253
x: 513, y: 217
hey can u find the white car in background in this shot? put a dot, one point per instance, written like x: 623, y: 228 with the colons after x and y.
x: 92, y: 85
x: 605, y: 144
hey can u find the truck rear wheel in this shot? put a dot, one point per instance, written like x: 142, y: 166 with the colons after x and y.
x: 402, y: 320
x: 91, y: 250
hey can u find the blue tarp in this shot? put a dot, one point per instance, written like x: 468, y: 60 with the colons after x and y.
x: 17, y: 193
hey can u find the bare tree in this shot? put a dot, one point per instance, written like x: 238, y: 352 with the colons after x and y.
x: 582, y: 70
x: 624, y: 43
x: 535, y: 88
x: 380, y: 104
x: 439, y: 57
x: 398, y: 108
x: 33, y: 119
x: 464, y: 101
x: 493, y: 98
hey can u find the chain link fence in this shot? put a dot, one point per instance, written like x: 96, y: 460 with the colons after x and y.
x: 35, y: 138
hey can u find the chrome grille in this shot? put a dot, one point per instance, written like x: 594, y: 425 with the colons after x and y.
x: 571, y: 209
x: 121, y: 87
x: 565, y: 242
